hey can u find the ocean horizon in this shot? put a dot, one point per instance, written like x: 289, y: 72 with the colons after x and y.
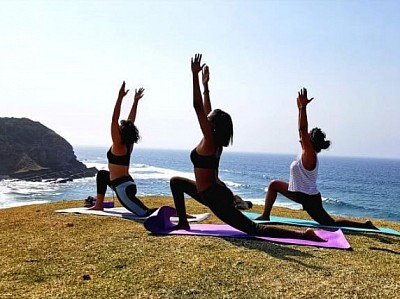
x: 350, y: 186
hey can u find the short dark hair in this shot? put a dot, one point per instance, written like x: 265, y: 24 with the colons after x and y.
x: 317, y: 138
x: 222, y: 127
x: 129, y: 132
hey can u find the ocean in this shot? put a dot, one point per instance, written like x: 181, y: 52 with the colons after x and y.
x: 353, y: 187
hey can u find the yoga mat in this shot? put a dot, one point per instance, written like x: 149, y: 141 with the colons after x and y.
x: 159, y: 223
x: 124, y: 213
x: 312, y: 223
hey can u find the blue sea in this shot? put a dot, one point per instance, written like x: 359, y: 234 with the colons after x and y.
x: 355, y: 187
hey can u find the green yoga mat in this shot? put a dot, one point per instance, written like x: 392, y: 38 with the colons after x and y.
x: 312, y: 223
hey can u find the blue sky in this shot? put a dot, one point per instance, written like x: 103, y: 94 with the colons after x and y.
x: 62, y: 63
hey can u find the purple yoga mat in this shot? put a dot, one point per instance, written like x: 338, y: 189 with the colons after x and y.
x: 160, y: 224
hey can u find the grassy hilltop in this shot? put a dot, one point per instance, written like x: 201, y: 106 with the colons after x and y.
x: 50, y: 255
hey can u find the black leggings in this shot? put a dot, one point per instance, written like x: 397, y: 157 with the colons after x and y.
x: 221, y: 202
x: 312, y: 204
x: 126, y: 190
x: 102, y: 181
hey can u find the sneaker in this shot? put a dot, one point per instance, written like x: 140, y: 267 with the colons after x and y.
x: 241, y: 204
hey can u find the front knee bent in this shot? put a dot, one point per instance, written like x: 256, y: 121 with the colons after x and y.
x: 175, y: 181
x: 273, y: 185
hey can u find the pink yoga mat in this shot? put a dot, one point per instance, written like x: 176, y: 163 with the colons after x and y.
x: 160, y: 224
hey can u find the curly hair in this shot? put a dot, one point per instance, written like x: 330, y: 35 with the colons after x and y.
x: 129, y: 132
x: 317, y: 138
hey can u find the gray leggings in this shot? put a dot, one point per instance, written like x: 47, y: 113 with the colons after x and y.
x: 126, y: 190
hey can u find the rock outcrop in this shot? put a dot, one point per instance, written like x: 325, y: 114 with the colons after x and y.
x: 31, y: 151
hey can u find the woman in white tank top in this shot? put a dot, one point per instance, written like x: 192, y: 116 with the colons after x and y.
x: 302, y: 185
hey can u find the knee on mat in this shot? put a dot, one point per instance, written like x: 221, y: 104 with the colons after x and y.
x: 327, y: 222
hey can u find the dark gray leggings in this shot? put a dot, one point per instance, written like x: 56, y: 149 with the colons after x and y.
x: 125, y: 188
x: 221, y: 202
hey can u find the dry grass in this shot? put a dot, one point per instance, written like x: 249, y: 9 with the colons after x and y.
x: 50, y: 255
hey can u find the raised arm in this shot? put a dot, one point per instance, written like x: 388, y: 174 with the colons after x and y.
x: 198, y: 104
x: 206, y: 91
x: 138, y: 96
x: 115, y: 134
x: 308, y: 156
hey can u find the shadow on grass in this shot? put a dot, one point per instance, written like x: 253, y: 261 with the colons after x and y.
x: 386, y: 239
x: 282, y: 252
x: 385, y: 249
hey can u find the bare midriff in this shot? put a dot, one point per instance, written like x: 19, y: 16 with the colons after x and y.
x: 117, y: 171
x: 205, y: 178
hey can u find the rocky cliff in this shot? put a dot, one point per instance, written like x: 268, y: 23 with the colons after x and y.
x: 31, y: 151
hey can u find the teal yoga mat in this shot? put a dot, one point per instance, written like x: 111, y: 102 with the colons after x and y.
x: 312, y: 223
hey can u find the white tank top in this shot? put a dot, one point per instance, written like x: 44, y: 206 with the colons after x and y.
x: 303, y: 180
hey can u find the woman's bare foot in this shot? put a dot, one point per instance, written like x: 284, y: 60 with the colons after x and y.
x: 312, y: 236
x: 184, y: 226
x: 97, y: 208
x: 262, y: 217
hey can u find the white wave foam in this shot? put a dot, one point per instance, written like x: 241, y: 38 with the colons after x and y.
x: 26, y: 188
x: 234, y: 185
x: 279, y: 203
x: 145, y: 172
x: 99, y: 166
x: 13, y: 204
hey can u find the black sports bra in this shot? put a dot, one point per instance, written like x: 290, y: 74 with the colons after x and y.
x: 208, y: 162
x: 119, y: 160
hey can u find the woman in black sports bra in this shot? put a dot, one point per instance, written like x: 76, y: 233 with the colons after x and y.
x: 217, y: 129
x: 124, y: 136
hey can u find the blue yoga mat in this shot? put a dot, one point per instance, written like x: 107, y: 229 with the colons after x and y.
x: 312, y: 223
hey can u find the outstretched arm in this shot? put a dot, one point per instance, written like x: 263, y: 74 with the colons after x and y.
x: 308, y: 156
x: 115, y: 135
x: 302, y: 102
x: 198, y: 104
x: 206, y: 92
x: 138, y: 96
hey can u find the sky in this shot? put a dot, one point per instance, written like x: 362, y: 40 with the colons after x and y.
x: 62, y: 64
